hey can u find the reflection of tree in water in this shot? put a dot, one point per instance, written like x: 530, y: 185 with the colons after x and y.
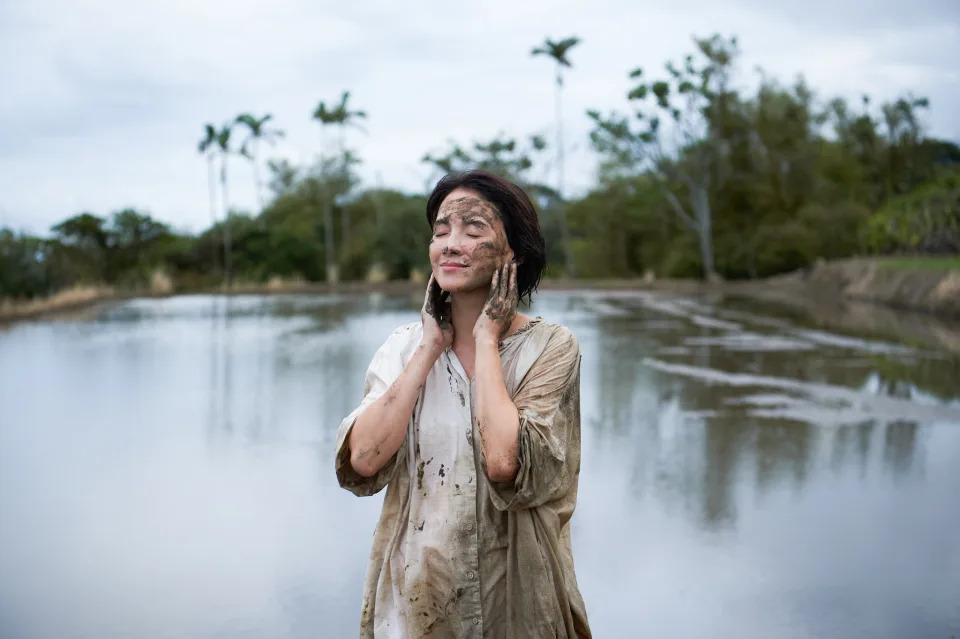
x: 700, y: 445
x: 900, y: 448
x: 218, y: 419
x: 851, y: 443
x: 936, y: 376
x: 262, y: 355
x: 783, y: 450
x: 722, y: 443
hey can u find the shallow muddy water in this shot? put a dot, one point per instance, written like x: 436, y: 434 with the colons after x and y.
x: 166, y: 470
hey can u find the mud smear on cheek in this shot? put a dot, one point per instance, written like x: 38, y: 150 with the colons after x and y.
x: 488, y: 256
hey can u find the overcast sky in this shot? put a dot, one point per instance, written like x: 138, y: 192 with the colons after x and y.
x: 102, y: 103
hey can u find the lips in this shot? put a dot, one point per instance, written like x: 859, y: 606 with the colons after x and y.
x: 452, y: 266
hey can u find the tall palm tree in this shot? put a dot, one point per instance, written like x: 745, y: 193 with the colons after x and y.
x: 207, y: 147
x: 558, y: 52
x: 257, y: 132
x: 341, y: 117
x: 223, y: 144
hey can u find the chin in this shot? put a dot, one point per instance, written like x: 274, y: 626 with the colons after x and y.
x: 461, y: 283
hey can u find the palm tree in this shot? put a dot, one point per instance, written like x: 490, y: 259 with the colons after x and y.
x: 341, y: 117
x: 558, y: 51
x: 207, y: 148
x: 223, y: 144
x: 257, y: 132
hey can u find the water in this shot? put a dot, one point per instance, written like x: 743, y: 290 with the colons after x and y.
x: 166, y: 470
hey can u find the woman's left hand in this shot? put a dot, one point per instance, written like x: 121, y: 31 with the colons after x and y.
x: 501, y: 306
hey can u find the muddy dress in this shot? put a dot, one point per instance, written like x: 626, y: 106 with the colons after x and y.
x: 454, y: 554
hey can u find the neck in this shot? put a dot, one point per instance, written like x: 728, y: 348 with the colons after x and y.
x: 465, y: 309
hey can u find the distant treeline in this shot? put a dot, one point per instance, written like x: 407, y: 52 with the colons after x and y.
x: 701, y: 179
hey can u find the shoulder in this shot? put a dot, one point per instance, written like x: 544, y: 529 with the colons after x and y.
x: 407, y: 331
x: 549, y: 344
x: 557, y: 338
x: 404, y: 339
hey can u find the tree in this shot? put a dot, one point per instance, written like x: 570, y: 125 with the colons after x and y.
x: 136, y: 241
x: 208, y: 147
x: 558, y: 52
x: 24, y: 265
x: 903, y: 137
x: 341, y: 117
x: 696, y: 101
x: 223, y: 150
x: 283, y: 176
x: 501, y: 155
x: 88, y: 239
x: 257, y: 132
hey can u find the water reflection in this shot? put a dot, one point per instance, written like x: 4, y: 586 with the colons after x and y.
x: 712, y: 421
x: 735, y: 464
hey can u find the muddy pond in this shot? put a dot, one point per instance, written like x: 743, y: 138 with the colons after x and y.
x: 166, y: 470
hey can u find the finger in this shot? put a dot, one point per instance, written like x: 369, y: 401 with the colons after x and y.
x: 505, y: 281
x: 447, y: 310
x: 512, y: 289
x: 428, y: 295
x: 436, y: 299
x: 494, y: 285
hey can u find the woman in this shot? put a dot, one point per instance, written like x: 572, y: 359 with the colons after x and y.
x: 472, y: 418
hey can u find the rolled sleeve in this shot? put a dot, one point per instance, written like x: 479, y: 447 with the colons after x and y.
x: 548, y: 446
x: 385, y: 367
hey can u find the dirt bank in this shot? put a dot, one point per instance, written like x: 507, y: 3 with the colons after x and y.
x: 65, y: 301
x: 895, y: 283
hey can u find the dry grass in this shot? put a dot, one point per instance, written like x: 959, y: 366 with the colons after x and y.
x: 160, y: 283
x: 13, y: 309
x: 277, y: 284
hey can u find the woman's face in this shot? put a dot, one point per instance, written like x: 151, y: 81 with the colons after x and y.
x: 468, y: 244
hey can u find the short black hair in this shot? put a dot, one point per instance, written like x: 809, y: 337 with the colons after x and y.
x: 517, y: 213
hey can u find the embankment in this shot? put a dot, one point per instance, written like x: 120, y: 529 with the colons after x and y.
x: 928, y: 286
x: 72, y: 299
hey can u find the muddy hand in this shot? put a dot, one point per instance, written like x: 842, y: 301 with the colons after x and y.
x: 501, y: 307
x: 435, y: 315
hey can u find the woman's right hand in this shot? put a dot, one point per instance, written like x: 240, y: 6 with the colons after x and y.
x: 435, y: 315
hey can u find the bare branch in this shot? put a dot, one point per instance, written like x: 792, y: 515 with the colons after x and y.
x: 678, y: 209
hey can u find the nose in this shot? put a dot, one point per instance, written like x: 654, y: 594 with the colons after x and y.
x: 454, y: 243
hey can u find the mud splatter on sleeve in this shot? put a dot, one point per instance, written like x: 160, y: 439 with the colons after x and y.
x: 548, y: 401
x: 385, y: 367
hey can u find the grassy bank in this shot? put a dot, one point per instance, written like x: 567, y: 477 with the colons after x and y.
x: 924, y: 263
x: 66, y: 300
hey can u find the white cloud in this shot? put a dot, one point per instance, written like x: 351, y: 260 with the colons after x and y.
x: 104, y: 103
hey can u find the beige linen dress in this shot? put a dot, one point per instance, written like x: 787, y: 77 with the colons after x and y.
x: 454, y: 554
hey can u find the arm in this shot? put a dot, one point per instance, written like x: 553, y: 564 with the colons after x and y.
x: 379, y: 430
x: 497, y: 417
x: 548, y: 446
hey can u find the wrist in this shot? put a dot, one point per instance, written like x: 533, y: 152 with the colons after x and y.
x: 485, y: 338
x: 431, y: 347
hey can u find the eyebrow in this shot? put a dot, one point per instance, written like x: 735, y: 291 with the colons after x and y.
x: 470, y: 221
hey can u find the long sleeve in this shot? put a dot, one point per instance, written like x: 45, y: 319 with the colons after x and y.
x: 548, y: 402
x: 385, y: 367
